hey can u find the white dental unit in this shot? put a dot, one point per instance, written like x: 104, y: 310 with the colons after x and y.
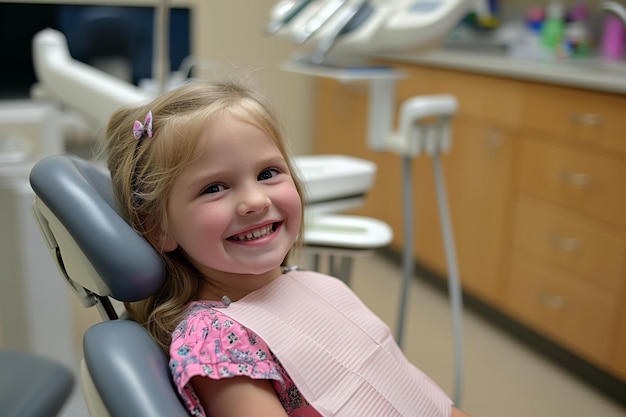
x: 336, y: 38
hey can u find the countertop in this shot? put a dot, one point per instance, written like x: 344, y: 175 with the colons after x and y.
x: 586, y: 73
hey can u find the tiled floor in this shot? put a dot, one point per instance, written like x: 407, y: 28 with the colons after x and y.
x: 501, y: 376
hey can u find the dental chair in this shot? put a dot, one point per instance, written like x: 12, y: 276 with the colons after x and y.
x: 124, y: 372
x: 105, y: 262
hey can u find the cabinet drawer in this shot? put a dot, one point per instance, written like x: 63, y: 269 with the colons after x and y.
x: 576, y: 243
x: 590, y: 184
x: 585, y: 117
x: 568, y: 310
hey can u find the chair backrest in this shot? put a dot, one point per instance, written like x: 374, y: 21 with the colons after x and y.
x: 124, y: 371
x: 96, y: 250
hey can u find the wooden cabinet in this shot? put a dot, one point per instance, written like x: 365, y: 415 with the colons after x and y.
x: 478, y: 172
x: 568, y: 270
x: 537, y: 199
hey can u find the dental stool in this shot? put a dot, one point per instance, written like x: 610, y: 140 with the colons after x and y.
x: 32, y: 386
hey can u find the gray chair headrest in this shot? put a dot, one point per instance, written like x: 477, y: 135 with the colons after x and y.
x: 80, y: 195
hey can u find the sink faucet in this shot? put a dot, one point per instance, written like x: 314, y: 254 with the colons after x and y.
x: 616, y: 8
x: 613, y: 32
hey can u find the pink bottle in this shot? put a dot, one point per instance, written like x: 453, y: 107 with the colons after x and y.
x: 613, y: 38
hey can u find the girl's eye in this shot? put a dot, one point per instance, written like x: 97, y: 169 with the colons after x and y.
x: 213, y: 188
x: 268, y: 174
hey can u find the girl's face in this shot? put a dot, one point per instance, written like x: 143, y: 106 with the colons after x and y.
x: 235, y: 211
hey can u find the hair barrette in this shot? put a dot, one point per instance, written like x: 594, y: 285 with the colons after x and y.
x: 141, y: 130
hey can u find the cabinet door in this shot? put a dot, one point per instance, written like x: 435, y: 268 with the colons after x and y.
x: 479, y: 173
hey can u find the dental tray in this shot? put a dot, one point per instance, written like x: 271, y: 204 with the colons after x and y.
x: 333, y: 178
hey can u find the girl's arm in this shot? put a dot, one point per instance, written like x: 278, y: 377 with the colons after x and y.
x: 239, y: 396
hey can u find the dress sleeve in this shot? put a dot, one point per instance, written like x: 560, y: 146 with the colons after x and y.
x: 209, y: 343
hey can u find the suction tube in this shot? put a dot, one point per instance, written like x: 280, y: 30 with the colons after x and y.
x: 454, y: 281
x: 416, y: 135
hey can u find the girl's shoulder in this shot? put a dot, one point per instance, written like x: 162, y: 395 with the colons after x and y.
x: 209, y: 336
x: 204, y: 316
x: 209, y: 343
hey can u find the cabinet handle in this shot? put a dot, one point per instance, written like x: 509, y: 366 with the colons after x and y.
x: 567, y: 244
x: 586, y: 119
x: 578, y: 179
x: 555, y: 302
x: 494, y: 139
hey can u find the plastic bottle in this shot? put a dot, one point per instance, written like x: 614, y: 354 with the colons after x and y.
x: 553, y: 25
x: 577, y: 36
x: 613, y: 38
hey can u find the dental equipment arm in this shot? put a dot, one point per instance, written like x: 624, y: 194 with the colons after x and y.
x: 74, y: 83
x: 285, y: 12
x: 345, y: 17
x: 388, y: 25
x: 315, y: 23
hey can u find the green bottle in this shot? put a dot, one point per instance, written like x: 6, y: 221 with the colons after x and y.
x: 553, y: 26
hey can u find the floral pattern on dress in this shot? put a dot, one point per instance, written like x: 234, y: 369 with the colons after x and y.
x: 209, y: 343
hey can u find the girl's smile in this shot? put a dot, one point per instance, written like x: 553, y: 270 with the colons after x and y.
x: 260, y: 234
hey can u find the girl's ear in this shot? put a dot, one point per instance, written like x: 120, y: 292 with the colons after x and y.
x: 167, y: 243
x: 162, y: 239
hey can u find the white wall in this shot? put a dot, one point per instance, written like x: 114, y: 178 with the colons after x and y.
x: 231, y: 32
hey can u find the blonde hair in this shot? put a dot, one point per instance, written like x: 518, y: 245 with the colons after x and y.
x: 143, y: 172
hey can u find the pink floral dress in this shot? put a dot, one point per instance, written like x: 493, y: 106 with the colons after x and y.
x: 209, y: 343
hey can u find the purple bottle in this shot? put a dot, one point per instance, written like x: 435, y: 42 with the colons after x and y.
x: 613, y: 38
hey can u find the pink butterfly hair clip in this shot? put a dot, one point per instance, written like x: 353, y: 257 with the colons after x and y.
x: 141, y: 130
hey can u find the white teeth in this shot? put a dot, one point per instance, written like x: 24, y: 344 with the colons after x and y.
x: 254, y: 234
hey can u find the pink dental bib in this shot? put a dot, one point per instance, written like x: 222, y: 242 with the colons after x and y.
x: 340, y: 355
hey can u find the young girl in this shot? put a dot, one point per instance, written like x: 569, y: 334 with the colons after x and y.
x: 203, y: 174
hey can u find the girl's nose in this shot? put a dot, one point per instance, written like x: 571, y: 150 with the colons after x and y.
x: 253, y: 200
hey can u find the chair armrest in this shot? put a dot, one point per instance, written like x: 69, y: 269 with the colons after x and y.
x: 130, y: 371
